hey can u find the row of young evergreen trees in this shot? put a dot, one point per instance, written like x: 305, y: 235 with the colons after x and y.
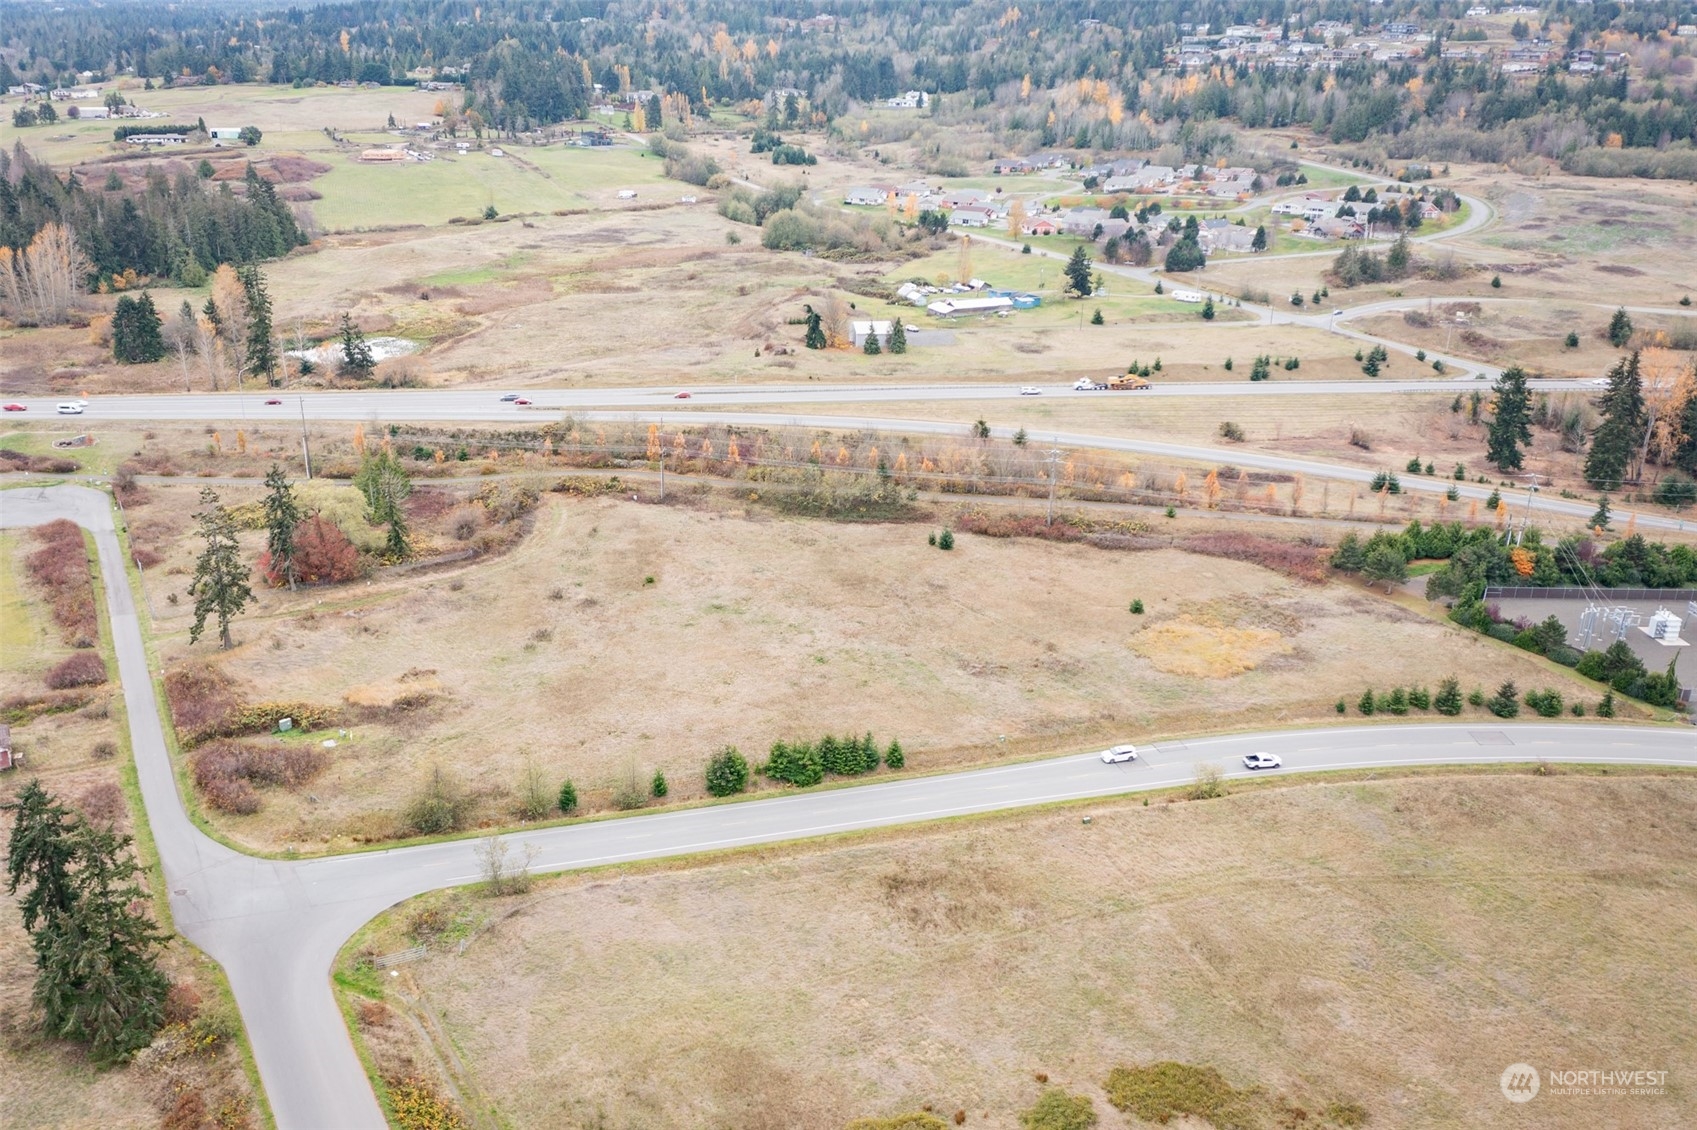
x: 806, y: 763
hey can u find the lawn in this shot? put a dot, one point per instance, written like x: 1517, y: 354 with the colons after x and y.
x: 1393, y: 944
x: 742, y: 628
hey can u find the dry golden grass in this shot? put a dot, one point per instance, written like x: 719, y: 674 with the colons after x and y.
x: 1395, y: 943
x: 757, y: 629
x: 1206, y: 648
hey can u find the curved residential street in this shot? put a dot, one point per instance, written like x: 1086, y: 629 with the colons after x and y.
x: 276, y: 926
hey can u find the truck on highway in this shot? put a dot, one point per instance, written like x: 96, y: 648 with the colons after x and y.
x: 1129, y: 382
x: 1085, y: 384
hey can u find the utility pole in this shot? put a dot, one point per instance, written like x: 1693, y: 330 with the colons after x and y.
x: 1526, y: 522
x: 306, y: 451
x: 1053, y: 459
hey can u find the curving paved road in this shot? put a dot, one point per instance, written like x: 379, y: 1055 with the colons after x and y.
x: 276, y: 926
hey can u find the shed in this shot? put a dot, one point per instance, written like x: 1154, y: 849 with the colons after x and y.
x: 953, y: 307
x: 7, y: 757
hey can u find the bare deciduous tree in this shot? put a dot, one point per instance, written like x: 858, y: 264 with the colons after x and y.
x: 39, y: 284
x: 502, y: 874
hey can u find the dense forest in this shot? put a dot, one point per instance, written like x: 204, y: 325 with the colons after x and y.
x: 180, y: 228
x: 1074, y: 72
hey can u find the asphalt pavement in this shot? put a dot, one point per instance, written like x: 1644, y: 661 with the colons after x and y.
x: 276, y: 926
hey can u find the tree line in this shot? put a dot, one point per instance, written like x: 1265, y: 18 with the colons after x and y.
x: 179, y: 227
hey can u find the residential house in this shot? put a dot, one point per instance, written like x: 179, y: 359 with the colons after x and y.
x: 962, y: 197
x: 1223, y: 235
x: 1043, y: 225
x: 85, y: 113
x: 973, y: 216
x: 863, y: 329
x: 1013, y: 166
x: 1083, y: 221
x: 867, y: 196
x: 151, y: 140
x: 1050, y: 160
x: 911, y: 100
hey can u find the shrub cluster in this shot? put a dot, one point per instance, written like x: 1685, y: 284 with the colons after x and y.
x: 226, y: 772
x: 418, y: 1105
x: 36, y: 464
x: 806, y: 763
x: 61, y: 567
x: 727, y: 772
x: 84, y: 669
x: 1401, y: 700
x: 204, y: 705
x: 1303, y: 562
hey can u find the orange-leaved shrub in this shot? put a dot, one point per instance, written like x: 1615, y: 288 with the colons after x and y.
x: 323, y: 555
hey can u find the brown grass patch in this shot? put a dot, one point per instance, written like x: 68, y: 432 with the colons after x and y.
x: 1374, y: 943
x: 84, y: 669
x: 1206, y: 650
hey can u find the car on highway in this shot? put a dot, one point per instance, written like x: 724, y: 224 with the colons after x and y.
x: 16, y: 408
x: 1031, y: 390
x: 511, y: 396
x: 1116, y: 755
x: 522, y: 402
x: 681, y: 396
x: 71, y: 408
x: 1085, y: 384
x: 1261, y: 761
x: 273, y: 402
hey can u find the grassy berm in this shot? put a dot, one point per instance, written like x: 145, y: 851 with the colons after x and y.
x: 1383, y: 948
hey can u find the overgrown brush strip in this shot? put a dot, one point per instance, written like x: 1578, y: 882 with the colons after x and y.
x: 226, y: 771
x: 204, y: 705
x: 84, y: 669
x: 419, y: 1106
x: 60, y: 566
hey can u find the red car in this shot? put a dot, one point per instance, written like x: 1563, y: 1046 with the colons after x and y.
x: 16, y: 408
x: 521, y: 401
x: 681, y: 396
x: 273, y: 402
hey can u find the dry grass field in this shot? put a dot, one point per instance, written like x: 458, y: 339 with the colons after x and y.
x: 78, y: 756
x: 622, y: 636
x: 1395, y: 944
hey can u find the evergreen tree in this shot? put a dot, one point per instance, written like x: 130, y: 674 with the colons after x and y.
x: 386, y: 484
x: 136, y: 339
x: 1208, y: 310
x: 871, y: 347
x: 357, y: 361
x: 1078, y: 273
x: 1601, y: 518
x: 898, y: 336
x: 815, y: 329
x: 282, y: 515
x: 1615, y: 443
x: 1397, y: 258
x: 1620, y: 328
x: 261, y: 347
x: 1259, y: 243
x: 1510, y: 425
x: 97, y: 979
x: 38, y: 857
x: 220, y: 585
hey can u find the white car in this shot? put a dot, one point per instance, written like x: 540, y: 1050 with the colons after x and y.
x: 1119, y: 754
x: 72, y: 407
x: 1031, y: 390
x: 1085, y: 384
x: 1261, y: 761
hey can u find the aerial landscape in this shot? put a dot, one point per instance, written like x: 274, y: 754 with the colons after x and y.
x: 768, y: 564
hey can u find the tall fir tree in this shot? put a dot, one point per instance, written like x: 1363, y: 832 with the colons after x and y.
x: 97, y: 976
x: 1259, y: 243
x: 385, y: 485
x: 282, y: 515
x: 1615, y: 443
x: 898, y: 336
x: 1620, y: 328
x: 261, y: 345
x: 1511, y: 424
x: 1078, y: 273
x: 136, y: 338
x: 357, y: 361
x: 220, y: 585
x: 38, y: 857
x: 815, y: 330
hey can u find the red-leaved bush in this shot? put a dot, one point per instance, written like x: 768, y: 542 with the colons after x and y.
x: 1303, y: 562
x: 61, y: 567
x: 201, y: 697
x: 323, y: 555
x: 225, y: 772
x: 84, y: 669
